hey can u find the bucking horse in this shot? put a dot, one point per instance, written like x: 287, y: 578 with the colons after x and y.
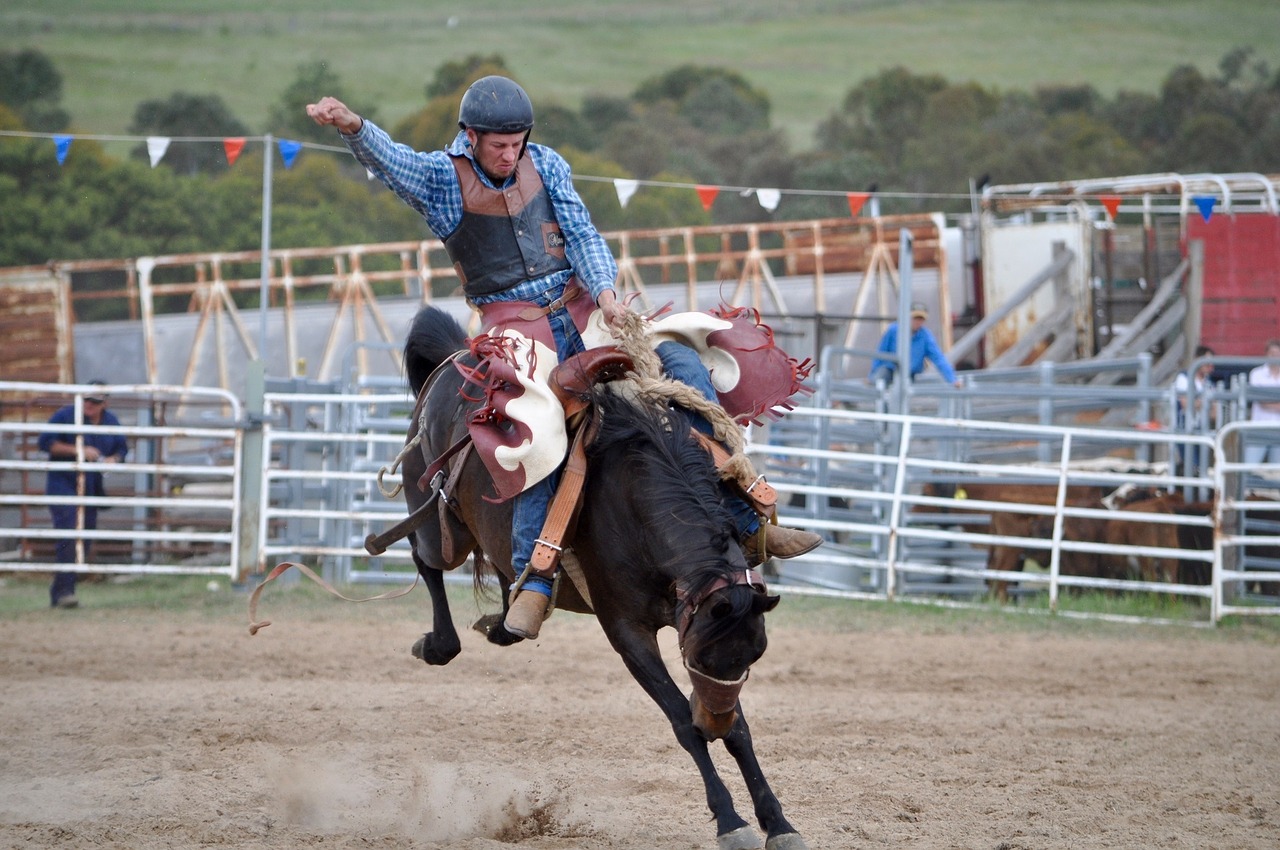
x: 651, y: 545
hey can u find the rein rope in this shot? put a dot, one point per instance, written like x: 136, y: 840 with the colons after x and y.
x: 650, y: 384
x: 418, y: 406
x: 391, y: 493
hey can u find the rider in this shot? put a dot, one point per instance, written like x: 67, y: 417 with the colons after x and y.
x: 516, y: 230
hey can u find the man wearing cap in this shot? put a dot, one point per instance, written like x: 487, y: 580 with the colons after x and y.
x: 923, y: 347
x: 89, y: 447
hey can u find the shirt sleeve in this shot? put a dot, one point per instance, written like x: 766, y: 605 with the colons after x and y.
x: 117, y: 445
x: 888, y: 345
x: 63, y: 416
x: 586, y: 249
x: 934, y: 353
x: 424, y: 181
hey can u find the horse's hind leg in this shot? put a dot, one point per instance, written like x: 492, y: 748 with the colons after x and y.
x: 441, y: 644
x: 782, y: 835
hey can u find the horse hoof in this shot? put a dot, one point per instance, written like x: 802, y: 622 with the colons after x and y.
x: 427, y: 648
x: 499, y: 636
x: 485, y: 624
x: 786, y: 841
x: 742, y: 838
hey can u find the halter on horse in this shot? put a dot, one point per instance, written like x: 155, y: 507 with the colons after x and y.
x: 654, y: 545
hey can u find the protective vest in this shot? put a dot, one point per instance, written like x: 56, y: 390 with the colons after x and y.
x: 506, y: 236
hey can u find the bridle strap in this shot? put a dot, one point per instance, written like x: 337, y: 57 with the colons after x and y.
x: 748, y: 576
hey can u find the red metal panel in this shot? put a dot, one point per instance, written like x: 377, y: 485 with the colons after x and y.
x: 1241, y: 309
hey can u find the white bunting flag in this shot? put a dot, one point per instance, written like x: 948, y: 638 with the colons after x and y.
x: 625, y: 189
x: 156, y: 147
x: 768, y: 198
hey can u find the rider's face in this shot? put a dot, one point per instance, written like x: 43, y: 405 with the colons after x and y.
x: 497, y: 153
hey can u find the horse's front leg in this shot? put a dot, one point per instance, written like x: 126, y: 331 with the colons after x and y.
x: 441, y: 644
x: 782, y: 835
x: 639, y: 650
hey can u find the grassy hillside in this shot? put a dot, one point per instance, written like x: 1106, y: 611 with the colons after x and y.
x: 804, y: 53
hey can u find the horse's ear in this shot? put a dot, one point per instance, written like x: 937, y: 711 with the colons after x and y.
x: 767, y: 603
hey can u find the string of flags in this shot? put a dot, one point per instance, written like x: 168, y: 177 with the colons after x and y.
x: 625, y: 188
x: 158, y: 146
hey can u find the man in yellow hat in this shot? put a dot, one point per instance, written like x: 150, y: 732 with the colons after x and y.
x: 923, y: 347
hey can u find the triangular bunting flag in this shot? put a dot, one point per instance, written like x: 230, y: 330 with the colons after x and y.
x: 156, y: 147
x: 1205, y: 204
x: 625, y: 189
x: 369, y: 175
x: 768, y: 198
x: 62, y: 144
x: 708, y: 196
x: 289, y: 151
x: 856, y: 200
x: 233, y: 148
x: 1111, y: 203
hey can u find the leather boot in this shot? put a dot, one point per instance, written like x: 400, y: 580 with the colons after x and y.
x: 525, y: 614
x: 782, y: 542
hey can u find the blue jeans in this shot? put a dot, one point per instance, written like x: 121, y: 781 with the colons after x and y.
x: 680, y: 363
x: 64, y: 516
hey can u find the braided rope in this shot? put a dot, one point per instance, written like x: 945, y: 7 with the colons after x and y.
x: 650, y: 384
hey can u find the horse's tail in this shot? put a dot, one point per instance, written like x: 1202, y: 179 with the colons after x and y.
x: 433, y: 337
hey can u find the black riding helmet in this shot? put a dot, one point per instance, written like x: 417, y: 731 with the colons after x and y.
x: 496, y: 105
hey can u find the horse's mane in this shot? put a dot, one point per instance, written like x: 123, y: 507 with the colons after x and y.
x: 683, y: 480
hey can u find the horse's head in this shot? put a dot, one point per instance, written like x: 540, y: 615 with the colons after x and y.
x: 720, y: 623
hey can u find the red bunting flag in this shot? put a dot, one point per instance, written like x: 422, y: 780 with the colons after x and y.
x: 1111, y: 203
x: 708, y: 196
x: 856, y: 200
x: 233, y: 148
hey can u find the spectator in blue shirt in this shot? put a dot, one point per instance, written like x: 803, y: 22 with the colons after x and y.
x: 517, y: 231
x: 923, y: 347
x: 61, y: 448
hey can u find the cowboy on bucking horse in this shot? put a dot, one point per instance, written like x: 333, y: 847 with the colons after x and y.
x: 527, y: 254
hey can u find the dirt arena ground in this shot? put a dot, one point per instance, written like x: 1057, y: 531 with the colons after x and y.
x: 126, y: 727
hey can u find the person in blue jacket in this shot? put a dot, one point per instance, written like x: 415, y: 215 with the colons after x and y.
x: 923, y: 347
x: 61, y: 447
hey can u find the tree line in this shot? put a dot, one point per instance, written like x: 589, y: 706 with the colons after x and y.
x: 919, y: 136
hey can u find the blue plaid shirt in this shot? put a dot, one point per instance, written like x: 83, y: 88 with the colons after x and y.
x: 428, y: 183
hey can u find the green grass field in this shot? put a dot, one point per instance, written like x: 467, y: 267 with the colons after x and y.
x: 805, y: 54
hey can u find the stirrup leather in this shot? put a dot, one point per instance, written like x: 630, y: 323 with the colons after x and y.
x: 754, y: 489
x: 550, y: 543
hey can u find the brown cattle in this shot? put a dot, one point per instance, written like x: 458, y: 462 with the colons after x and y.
x: 1070, y: 562
x: 1128, y: 532
x: 1009, y: 524
x: 1113, y: 531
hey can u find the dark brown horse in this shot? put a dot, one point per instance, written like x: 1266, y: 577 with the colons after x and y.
x: 656, y: 547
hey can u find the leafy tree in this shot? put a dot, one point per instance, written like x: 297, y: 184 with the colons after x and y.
x: 600, y: 114
x: 436, y: 124
x: 719, y: 106
x: 183, y: 114
x: 452, y: 77
x: 1206, y: 142
x: 31, y: 86
x: 1055, y: 99
x: 558, y: 126
x: 881, y: 114
x: 691, y: 82
x: 288, y: 118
